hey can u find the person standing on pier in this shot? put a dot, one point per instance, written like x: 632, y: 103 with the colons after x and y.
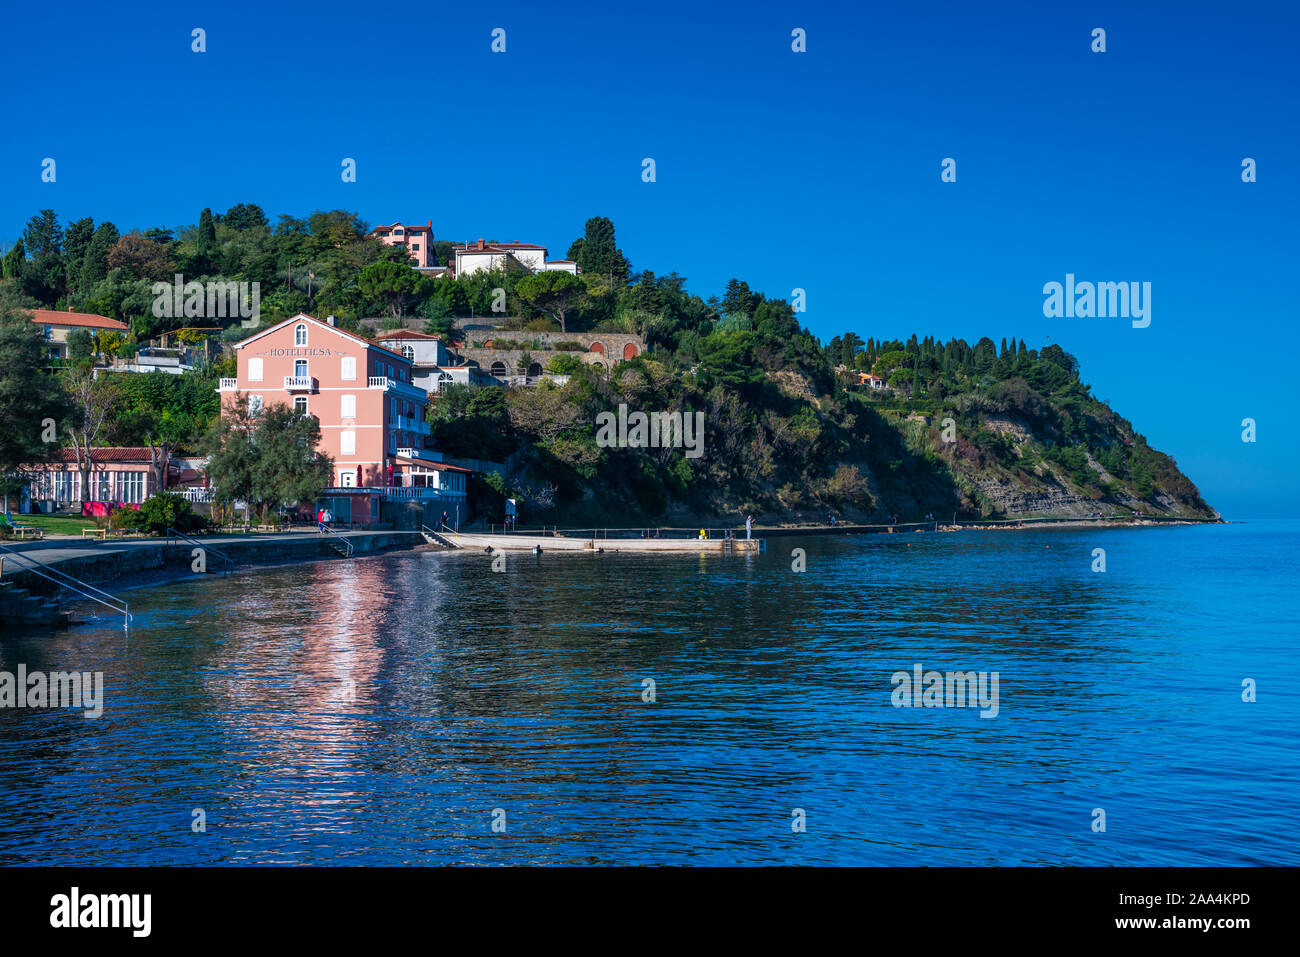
x: 749, y: 527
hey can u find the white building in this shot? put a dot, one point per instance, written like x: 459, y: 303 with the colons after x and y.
x: 485, y: 255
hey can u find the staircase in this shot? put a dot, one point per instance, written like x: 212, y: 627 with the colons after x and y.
x: 19, y: 607
x: 433, y: 538
x: 334, y: 540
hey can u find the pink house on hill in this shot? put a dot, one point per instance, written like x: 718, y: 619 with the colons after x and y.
x: 417, y: 239
x: 371, y: 415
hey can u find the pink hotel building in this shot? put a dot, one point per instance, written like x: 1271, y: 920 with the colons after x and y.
x: 371, y: 416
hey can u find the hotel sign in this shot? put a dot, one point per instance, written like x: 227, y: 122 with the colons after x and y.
x: 301, y: 352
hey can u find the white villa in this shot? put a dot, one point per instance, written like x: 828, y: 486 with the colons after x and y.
x: 485, y: 255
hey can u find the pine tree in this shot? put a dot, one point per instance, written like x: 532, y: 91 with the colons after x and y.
x: 76, y: 241
x: 94, y: 266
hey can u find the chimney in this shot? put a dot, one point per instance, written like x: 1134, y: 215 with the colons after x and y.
x: 480, y: 244
x: 330, y: 320
x: 429, y: 223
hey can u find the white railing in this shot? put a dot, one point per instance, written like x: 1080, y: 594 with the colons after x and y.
x: 63, y: 580
x: 420, y: 454
x: 299, y: 383
x: 395, y: 385
x: 198, y: 494
x: 228, y: 385
x: 416, y: 493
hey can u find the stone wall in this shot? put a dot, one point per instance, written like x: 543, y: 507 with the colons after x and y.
x: 613, y: 347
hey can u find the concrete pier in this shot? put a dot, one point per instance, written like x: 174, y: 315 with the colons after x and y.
x: 562, y: 542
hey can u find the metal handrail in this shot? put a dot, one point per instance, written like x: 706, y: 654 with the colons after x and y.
x: 72, y: 583
x: 230, y: 562
x: 341, y: 537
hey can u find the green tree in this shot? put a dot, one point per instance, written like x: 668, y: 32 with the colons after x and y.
x: 242, y: 217
x: 30, y: 399
x: 43, y: 275
x: 390, y: 283
x: 266, y: 459
x: 13, y: 261
x: 81, y: 345
x: 597, y: 252
x: 554, y: 293
x: 94, y: 265
x: 76, y: 242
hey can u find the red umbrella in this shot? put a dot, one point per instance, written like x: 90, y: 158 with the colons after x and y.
x: 358, y: 476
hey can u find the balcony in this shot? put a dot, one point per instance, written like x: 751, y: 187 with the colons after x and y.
x: 299, y: 383
x: 417, y: 493
x: 408, y: 424
x: 228, y: 385
x: 404, y: 389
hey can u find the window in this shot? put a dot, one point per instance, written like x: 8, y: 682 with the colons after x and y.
x: 300, y: 334
x: 409, y: 352
x: 101, y: 484
x: 348, y: 407
x: 347, y: 478
x: 444, y: 380
x: 415, y: 246
x: 66, y: 486
x: 254, y: 404
x: 130, y: 487
x: 347, y: 443
x: 349, y: 367
x: 300, y: 404
x: 392, y: 408
x: 300, y: 368
x: 255, y: 370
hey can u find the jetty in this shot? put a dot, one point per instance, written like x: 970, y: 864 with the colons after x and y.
x: 595, y: 541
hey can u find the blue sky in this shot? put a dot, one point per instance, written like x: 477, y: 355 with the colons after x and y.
x: 817, y: 170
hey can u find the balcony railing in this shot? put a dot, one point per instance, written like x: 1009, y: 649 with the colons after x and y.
x: 228, y: 385
x: 408, y: 424
x: 398, y: 493
x: 395, y: 386
x: 299, y: 383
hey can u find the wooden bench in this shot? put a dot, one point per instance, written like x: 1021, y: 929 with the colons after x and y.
x: 92, y: 532
x: 24, y: 531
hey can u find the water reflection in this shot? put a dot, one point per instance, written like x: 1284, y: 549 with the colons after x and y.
x: 379, y: 710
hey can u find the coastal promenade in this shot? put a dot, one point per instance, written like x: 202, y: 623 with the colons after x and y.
x: 98, y: 562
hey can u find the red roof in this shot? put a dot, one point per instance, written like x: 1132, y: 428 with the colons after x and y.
x: 403, y: 334
x: 107, y: 454
x: 409, y: 229
x: 85, y: 320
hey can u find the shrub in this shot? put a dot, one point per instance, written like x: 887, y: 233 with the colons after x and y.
x: 564, y: 364
x: 125, y: 518
x: 168, y: 510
